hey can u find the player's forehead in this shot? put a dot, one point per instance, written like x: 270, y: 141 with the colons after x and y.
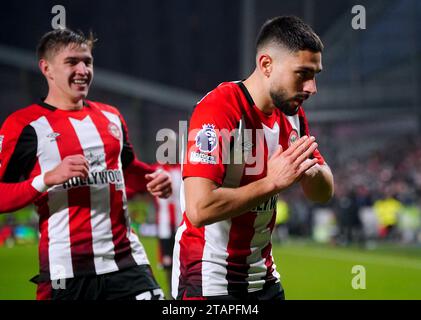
x: 72, y: 50
x: 307, y: 60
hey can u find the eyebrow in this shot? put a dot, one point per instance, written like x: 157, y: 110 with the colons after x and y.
x: 308, y: 69
x: 78, y: 58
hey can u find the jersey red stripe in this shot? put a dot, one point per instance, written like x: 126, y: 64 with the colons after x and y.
x: 240, y: 236
x: 191, y: 253
x: 44, y: 261
x: 173, y: 218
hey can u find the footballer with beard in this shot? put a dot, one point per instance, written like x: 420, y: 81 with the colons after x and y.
x: 223, y: 247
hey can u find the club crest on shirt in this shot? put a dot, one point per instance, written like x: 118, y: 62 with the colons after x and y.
x: 114, y: 130
x: 293, y: 136
x: 206, y: 138
x: 1, y: 142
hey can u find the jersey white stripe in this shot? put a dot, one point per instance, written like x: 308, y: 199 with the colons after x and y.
x: 175, y: 276
x: 271, y: 137
x: 59, y: 253
x: 214, y: 260
x: 182, y: 197
x: 102, y: 237
x: 176, y: 178
x: 295, y: 122
x: 164, y: 225
x: 165, y: 229
x: 275, y: 272
x: 261, y: 238
x: 138, y: 252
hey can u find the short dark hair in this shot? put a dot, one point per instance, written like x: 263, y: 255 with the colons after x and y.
x: 54, y: 40
x: 290, y: 32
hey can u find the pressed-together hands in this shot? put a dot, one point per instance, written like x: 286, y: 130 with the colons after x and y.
x: 287, y: 167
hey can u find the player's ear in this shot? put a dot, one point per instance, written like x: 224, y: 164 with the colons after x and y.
x: 264, y: 63
x: 45, y: 68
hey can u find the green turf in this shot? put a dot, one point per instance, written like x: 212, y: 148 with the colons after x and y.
x: 18, y: 265
x: 314, y: 272
x: 308, y: 271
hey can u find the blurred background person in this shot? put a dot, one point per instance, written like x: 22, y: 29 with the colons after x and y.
x: 168, y: 213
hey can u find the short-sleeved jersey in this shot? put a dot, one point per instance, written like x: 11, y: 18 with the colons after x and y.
x: 84, y: 223
x: 232, y: 256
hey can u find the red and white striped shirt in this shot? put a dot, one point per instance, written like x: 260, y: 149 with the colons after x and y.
x: 233, y: 255
x: 84, y: 223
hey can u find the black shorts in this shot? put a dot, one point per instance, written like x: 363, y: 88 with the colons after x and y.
x: 135, y: 283
x: 272, y: 292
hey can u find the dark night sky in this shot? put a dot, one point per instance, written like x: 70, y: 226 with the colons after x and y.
x: 189, y: 44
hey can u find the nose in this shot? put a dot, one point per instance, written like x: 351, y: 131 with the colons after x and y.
x: 81, y: 68
x: 310, y: 86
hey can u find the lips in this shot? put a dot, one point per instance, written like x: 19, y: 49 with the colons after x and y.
x: 80, y: 82
x: 301, y: 98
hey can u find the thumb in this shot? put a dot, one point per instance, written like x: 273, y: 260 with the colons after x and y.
x: 149, y: 176
x: 153, y: 175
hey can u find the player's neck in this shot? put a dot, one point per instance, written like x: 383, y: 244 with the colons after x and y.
x: 63, y: 103
x: 256, y: 89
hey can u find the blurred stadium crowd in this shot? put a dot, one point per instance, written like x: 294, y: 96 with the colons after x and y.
x: 377, y: 197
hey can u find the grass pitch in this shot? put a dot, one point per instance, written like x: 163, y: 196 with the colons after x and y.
x: 308, y: 271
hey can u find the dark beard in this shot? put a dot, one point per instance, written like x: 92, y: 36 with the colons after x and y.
x: 284, y: 104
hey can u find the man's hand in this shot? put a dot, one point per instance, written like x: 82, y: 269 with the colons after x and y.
x: 312, y: 171
x: 70, y: 167
x: 287, y: 167
x: 317, y: 183
x: 160, y: 184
